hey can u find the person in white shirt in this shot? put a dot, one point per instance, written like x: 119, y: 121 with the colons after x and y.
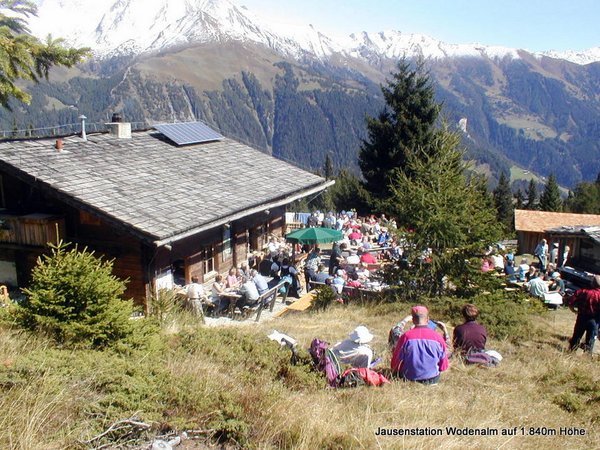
x: 355, y: 351
x: 353, y: 259
x: 498, y: 262
x: 195, y: 294
x: 273, y: 245
x: 249, y: 293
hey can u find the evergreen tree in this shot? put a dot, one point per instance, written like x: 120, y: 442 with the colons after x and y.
x: 532, y: 195
x: 519, y: 199
x: 585, y: 199
x: 449, y: 214
x: 74, y: 298
x: 348, y: 193
x: 406, y: 124
x: 550, y: 199
x: 23, y: 56
x: 503, y: 202
x: 328, y: 167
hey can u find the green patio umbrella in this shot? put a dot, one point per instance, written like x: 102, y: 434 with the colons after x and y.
x: 314, y: 236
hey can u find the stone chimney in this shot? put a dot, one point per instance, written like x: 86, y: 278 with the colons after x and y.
x: 118, y: 128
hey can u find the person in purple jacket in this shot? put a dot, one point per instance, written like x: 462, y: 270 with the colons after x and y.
x: 420, y: 354
x: 470, y: 336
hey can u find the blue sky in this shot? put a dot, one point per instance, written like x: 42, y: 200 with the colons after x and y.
x: 535, y: 25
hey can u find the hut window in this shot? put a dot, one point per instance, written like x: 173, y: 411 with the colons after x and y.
x: 208, y: 259
x: 227, y: 249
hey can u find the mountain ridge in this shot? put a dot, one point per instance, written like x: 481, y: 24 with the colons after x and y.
x: 136, y: 26
x: 303, y: 98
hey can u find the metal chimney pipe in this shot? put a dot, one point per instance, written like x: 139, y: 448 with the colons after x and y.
x: 83, y: 134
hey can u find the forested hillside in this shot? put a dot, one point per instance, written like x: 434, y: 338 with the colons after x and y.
x: 539, y: 114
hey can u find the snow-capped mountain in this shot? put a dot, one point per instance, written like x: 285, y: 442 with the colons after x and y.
x: 137, y: 26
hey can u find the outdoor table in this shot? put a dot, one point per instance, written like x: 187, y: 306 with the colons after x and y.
x: 233, y: 296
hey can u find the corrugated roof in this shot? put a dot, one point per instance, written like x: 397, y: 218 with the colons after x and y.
x: 538, y: 221
x: 151, y: 185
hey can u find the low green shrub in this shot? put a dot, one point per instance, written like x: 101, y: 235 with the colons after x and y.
x: 506, y: 315
x: 324, y: 298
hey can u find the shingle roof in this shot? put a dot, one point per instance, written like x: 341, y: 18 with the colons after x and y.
x: 152, y: 186
x: 592, y: 232
x: 538, y: 221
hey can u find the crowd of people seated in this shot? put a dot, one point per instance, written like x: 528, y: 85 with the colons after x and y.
x: 541, y: 278
x: 366, y: 242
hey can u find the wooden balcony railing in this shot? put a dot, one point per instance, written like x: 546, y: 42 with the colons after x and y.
x: 32, y: 229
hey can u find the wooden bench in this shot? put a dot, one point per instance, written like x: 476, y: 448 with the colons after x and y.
x: 268, y: 298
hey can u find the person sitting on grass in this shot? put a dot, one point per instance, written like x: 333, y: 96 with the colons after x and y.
x: 421, y: 353
x: 510, y: 271
x: 470, y: 336
x: 354, y: 350
x: 398, y: 330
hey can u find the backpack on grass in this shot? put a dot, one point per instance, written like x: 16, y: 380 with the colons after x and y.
x: 325, y: 361
x: 355, y: 377
x: 484, y: 358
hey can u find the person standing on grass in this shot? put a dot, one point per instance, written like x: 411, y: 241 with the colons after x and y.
x: 421, y: 353
x: 195, y: 293
x: 541, y: 251
x: 586, y: 303
x: 335, y: 259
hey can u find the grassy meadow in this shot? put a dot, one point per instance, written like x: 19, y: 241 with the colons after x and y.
x: 234, y: 386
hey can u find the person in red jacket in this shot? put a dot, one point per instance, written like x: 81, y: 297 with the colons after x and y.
x: 586, y: 303
x: 366, y: 257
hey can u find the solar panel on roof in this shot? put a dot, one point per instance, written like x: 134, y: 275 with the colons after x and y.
x: 188, y: 132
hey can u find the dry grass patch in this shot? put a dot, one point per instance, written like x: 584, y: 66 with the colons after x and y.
x: 241, y: 386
